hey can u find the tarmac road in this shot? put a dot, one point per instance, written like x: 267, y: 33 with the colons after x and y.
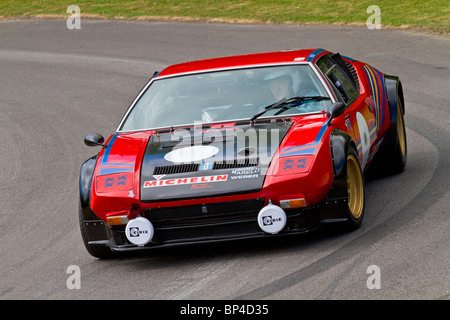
x: 57, y: 85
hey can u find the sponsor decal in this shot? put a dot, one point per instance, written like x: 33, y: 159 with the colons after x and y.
x: 245, y: 173
x: 206, y: 166
x: 348, y: 125
x: 245, y: 176
x: 184, y: 181
x: 241, y: 171
x: 269, y: 220
x: 135, y: 232
x: 200, y: 186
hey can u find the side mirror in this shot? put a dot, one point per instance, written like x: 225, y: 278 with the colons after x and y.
x: 334, y: 111
x: 94, y: 139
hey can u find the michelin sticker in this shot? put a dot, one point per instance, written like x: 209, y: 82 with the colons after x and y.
x: 183, y: 181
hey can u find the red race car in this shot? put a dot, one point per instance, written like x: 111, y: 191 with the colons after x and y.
x: 240, y: 147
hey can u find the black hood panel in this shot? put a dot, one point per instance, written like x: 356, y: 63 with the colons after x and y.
x: 193, y: 163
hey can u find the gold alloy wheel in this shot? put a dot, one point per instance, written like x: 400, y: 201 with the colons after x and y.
x: 401, y: 130
x: 354, y: 187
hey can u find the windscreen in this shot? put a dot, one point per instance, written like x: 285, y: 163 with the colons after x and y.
x: 222, y: 96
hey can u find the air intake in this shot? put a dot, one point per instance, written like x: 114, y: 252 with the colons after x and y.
x: 236, y: 163
x: 178, y: 168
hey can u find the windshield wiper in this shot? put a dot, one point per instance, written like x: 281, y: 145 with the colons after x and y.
x: 285, y: 104
x: 289, y: 104
x: 269, y: 107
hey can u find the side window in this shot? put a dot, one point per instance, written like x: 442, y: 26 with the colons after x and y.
x: 339, y: 80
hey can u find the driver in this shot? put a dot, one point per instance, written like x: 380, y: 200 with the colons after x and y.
x: 280, y: 84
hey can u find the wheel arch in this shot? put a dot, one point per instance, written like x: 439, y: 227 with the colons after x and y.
x: 340, y: 142
x: 394, y: 89
x: 86, y: 175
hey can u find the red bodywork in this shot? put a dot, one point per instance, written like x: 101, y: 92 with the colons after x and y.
x: 308, y: 132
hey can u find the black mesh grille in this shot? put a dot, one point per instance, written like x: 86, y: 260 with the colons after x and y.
x: 218, y: 165
x: 237, y: 163
x: 178, y: 168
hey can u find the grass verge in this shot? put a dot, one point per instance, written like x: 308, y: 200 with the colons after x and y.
x: 429, y: 16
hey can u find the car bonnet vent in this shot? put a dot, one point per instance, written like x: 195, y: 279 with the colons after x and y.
x: 236, y: 163
x: 178, y: 168
x: 218, y: 165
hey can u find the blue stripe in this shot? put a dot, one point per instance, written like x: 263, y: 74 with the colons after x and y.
x: 372, y: 88
x: 314, y: 54
x: 297, y: 147
x: 374, y: 84
x: 321, y: 133
x: 104, y: 163
x: 312, y: 150
x: 108, y: 149
x: 104, y: 171
x: 384, y: 94
x: 120, y: 164
x: 309, y: 151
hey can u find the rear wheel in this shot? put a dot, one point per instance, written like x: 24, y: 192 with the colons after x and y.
x: 392, y: 156
x: 401, y: 135
x: 356, y: 191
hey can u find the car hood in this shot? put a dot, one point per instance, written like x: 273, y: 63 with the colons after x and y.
x: 214, y: 161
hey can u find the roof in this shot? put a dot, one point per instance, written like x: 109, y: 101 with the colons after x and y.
x: 286, y: 56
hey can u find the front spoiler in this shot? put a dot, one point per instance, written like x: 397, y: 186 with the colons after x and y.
x: 299, y: 221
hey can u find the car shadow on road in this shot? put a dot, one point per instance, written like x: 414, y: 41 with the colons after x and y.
x: 166, y: 257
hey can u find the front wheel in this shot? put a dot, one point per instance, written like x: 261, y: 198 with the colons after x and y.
x: 356, y: 191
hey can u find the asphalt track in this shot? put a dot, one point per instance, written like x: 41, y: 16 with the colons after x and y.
x: 57, y: 85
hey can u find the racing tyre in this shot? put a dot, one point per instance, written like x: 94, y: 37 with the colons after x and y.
x: 98, y: 251
x: 392, y: 156
x: 356, y: 191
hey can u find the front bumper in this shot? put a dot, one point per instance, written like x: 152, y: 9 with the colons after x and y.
x: 215, y: 222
